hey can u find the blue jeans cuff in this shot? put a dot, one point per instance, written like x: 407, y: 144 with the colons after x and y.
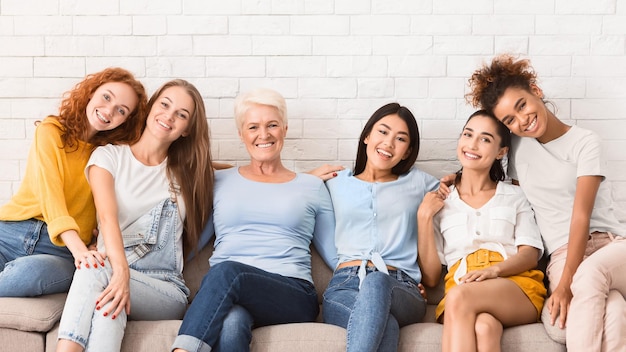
x: 190, y: 343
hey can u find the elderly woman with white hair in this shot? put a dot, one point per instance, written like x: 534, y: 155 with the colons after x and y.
x: 264, y: 219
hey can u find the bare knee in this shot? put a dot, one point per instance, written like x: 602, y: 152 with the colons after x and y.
x: 457, y: 301
x: 488, y: 332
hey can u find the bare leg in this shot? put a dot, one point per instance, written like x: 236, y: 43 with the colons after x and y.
x: 501, y: 298
x: 488, y: 333
x: 68, y: 346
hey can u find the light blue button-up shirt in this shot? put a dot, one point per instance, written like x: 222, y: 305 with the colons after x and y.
x: 378, y: 221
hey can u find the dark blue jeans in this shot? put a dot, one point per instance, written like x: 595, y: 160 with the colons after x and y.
x: 268, y: 298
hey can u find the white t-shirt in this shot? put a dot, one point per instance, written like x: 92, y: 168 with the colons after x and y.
x: 501, y: 225
x: 548, y: 174
x: 138, y: 187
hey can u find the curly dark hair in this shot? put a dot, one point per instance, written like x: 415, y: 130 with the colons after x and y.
x: 488, y: 83
x: 72, y: 109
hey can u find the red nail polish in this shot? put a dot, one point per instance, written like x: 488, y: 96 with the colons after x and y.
x: 105, y: 314
x: 334, y: 174
x: 98, y: 308
x: 86, y: 265
x: 113, y: 317
x: 95, y: 265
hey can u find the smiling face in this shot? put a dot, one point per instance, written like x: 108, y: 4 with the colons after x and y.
x: 170, y: 114
x: 387, y: 143
x: 110, y: 105
x: 479, y: 144
x: 263, y: 133
x: 523, y: 112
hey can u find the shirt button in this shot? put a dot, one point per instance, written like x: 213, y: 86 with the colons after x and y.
x: 374, y: 214
x: 477, y: 213
x: 477, y: 233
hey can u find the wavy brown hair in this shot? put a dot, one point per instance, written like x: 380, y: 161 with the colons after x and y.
x: 488, y: 83
x: 72, y: 109
x: 189, y: 166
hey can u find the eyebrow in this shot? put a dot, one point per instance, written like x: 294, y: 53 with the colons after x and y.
x: 389, y: 128
x: 485, y: 133
x: 113, y: 94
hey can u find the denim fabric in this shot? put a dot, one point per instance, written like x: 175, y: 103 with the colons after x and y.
x: 373, y: 314
x: 269, y: 299
x: 26, y: 252
x: 236, y: 333
x: 157, y: 290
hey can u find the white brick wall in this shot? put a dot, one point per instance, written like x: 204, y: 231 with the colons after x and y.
x: 335, y: 61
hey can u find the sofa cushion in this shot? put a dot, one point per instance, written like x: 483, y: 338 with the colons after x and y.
x: 31, y: 313
x: 21, y: 341
x: 301, y: 337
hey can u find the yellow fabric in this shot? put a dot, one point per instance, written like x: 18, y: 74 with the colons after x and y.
x: 531, y: 281
x: 54, y: 188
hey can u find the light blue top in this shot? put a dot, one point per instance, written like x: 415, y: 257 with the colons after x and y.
x: 270, y: 225
x: 379, y: 219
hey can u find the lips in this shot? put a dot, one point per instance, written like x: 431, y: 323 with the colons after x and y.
x: 102, y: 118
x: 163, y: 124
x: 532, y: 125
x: 384, y: 153
x: 471, y: 155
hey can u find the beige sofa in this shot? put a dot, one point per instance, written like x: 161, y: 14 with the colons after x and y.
x: 30, y: 324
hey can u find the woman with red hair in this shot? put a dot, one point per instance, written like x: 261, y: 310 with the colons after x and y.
x: 47, y: 225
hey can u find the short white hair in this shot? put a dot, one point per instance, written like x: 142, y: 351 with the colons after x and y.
x: 260, y: 96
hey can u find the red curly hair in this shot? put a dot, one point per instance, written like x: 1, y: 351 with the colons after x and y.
x: 488, y: 83
x: 72, y: 109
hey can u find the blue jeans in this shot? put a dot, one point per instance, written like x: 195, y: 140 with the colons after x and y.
x: 236, y: 333
x: 373, y: 314
x: 30, y: 265
x: 157, y: 289
x: 267, y: 297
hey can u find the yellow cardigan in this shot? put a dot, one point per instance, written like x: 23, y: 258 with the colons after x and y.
x: 55, y: 189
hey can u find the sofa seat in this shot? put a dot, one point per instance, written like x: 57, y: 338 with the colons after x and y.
x: 31, y: 324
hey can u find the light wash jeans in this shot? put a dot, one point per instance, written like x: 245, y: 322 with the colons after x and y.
x: 373, y: 314
x: 597, y: 315
x: 30, y: 265
x: 157, y: 290
x: 268, y: 298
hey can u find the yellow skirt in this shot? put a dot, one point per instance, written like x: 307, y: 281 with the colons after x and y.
x: 531, y: 281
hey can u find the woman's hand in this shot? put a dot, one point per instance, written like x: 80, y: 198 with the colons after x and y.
x: 431, y: 204
x: 326, y: 171
x: 422, y: 290
x: 89, y: 258
x: 444, y: 185
x: 491, y: 272
x: 558, y: 304
x: 117, y: 292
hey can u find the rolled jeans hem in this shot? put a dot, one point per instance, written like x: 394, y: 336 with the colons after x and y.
x: 190, y: 343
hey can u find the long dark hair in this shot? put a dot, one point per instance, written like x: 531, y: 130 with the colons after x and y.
x: 496, y: 172
x: 405, y: 114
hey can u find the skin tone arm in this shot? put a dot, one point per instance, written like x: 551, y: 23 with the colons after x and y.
x: 586, y: 191
x: 326, y: 171
x: 427, y: 250
x: 524, y: 259
x: 118, y: 290
x: 82, y: 254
